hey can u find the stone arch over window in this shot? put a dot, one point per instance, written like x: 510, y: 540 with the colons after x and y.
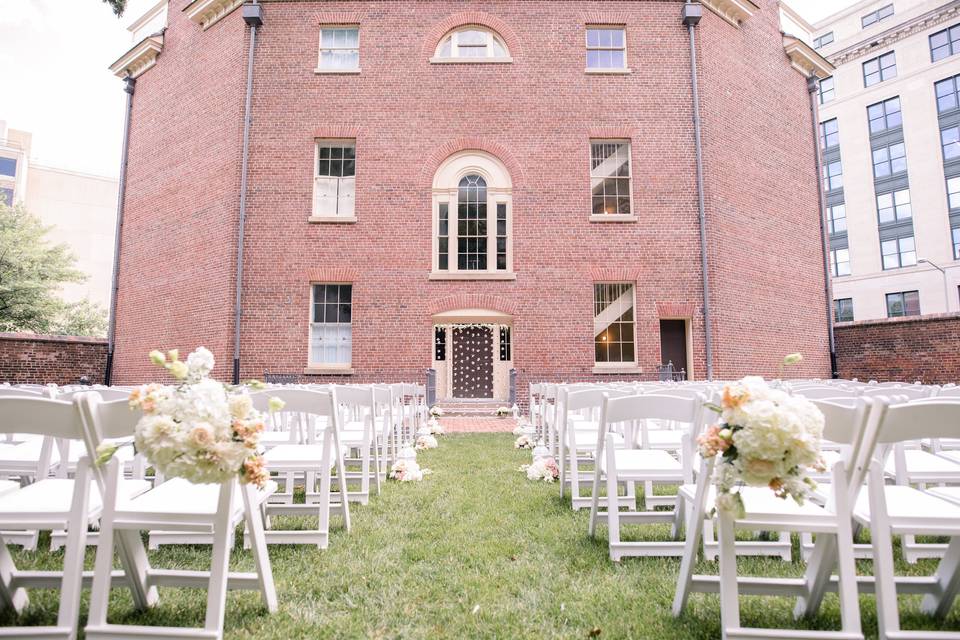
x: 471, y: 20
x: 471, y: 44
x: 472, y: 217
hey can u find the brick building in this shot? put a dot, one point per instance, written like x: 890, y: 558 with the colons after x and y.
x: 473, y: 187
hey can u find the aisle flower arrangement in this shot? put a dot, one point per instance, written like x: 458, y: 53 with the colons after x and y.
x: 435, y: 428
x: 408, y: 471
x: 523, y: 442
x: 545, y: 469
x: 765, y: 438
x: 502, y: 412
x: 199, y: 429
x: 426, y: 442
x: 436, y: 412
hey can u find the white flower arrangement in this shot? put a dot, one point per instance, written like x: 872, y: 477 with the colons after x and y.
x: 436, y: 412
x: 545, y: 469
x: 523, y: 442
x: 408, y: 471
x: 766, y: 438
x: 518, y: 430
x: 502, y: 412
x: 200, y: 429
x: 426, y: 442
x: 435, y: 428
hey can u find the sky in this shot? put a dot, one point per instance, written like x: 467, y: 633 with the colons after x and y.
x: 54, y: 56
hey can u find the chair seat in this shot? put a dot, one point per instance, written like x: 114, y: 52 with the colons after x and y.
x: 273, y: 438
x: 180, y: 496
x: 921, y: 463
x: 588, y: 439
x: 352, y: 438
x: 661, y: 438
x: 908, y: 503
x: 54, y: 496
x: 644, y: 462
x: 761, y: 503
x: 295, y: 457
x: 6, y: 486
x: 947, y: 493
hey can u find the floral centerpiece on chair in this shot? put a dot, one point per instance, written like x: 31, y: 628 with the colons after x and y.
x: 199, y: 429
x: 765, y: 438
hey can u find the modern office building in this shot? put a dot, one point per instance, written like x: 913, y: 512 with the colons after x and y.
x: 889, y: 123
x: 80, y: 208
x: 471, y: 187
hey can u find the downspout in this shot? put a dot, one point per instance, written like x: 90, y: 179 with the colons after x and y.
x: 692, y: 13
x: 253, y: 16
x: 128, y: 86
x: 812, y: 87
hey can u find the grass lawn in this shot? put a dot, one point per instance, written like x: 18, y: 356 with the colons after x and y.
x: 474, y: 551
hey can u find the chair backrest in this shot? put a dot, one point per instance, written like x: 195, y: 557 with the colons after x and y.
x: 948, y: 392
x: 820, y: 393
x: 40, y: 416
x: 911, y: 392
x: 308, y: 401
x: 16, y: 392
x: 846, y: 423
x: 674, y: 408
x: 106, y: 393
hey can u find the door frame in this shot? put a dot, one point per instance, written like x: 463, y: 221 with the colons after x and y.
x: 501, y: 369
x: 688, y: 335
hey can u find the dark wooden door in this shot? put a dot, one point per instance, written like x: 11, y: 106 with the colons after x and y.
x: 673, y: 343
x: 473, y: 362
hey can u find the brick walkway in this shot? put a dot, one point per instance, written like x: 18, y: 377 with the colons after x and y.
x: 477, y: 425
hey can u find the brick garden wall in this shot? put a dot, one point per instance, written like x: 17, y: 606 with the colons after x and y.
x: 925, y: 348
x: 28, y: 358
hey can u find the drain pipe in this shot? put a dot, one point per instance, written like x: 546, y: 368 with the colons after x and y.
x: 128, y: 86
x: 812, y: 87
x: 692, y: 13
x: 253, y: 16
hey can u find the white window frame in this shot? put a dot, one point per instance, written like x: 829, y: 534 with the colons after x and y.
x: 605, y: 70
x: 345, y: 206
x: 335, y: 367
x: 320, y: 68
x: 446, y: 189
x: 613, y: 217
x: 454, y: 56
x: 835, y: 262
x: 624, y: 364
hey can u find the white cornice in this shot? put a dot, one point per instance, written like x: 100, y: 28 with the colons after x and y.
x: 206, y: 13
x: 899, y: 32
x: 804, y: 59
x: 733, y: 11
x: 140, y: 58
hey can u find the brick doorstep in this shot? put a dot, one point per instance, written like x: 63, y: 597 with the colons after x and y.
x: 478, y: 425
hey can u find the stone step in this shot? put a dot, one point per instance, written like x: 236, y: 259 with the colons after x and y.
x: 472, y: 409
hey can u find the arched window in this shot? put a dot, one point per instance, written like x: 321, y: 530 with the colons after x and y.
x: 476, y: 44
x: 472, y: 198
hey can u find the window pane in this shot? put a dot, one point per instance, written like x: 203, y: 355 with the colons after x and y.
x: 8, y: 167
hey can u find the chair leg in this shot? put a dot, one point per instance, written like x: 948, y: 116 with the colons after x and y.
x: 220, y: 567
x: 729, y: 594
x: 888, y: 614
x: 595, y: 492
x: 258, y: 544
x: 613, y: 506
x: 691, y: 547
x: 948, y: 581
x: 68, y: 616
x: 819, y: 568
x: 17, y: 598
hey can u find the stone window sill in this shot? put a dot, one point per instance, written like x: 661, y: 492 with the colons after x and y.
x: 619, y: 368
x: 328, y: 370
x: 336, y: 72
x: 506, y: 60
x: 333, y: 219
x: 467, y: 275
x: 612, y: 217
x: 608, y: 72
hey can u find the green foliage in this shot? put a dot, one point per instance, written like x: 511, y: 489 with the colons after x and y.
x: 118, y: 6
x: 31, y: 273
x: 84, y: 318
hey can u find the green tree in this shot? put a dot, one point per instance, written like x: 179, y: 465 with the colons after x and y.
x: 32, y: 269
x: 84, y: 318
x: 117, y: 5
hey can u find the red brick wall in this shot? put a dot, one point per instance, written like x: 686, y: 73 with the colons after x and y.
x: 763, y: 219
x: 538, y: 115
x: 28, y: 358
x: 925, y: 348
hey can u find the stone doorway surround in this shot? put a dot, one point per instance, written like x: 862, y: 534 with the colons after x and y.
x: 444, y: 368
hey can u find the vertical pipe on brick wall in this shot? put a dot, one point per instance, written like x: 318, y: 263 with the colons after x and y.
x: 812, y: 87
x: 692, y: 12
x: 254, y: 22
x: 128, y: 86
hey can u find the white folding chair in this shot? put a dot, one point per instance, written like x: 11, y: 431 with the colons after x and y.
x: 630, y: 463
x: 359, y: 435
x: 764, y: 511
x: 308, y: 460
x: 175, y: 504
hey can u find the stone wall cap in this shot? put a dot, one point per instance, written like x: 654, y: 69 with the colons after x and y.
x: 929, y: 317
x: 37, y: 337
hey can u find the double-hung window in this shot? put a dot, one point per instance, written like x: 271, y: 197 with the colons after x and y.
x: 832, y: 175
x: 874, y: 17
x: 894, y: 207
x: 953, y: 192
x: 829, y: 134
x: 837, y: 215
x: 947, y: 94
x: 610, y: 177
x: 339, y: 49
x: 878, y: 69
x: 331, y: 325
x: 827, y: 90
x: 843, y: 310
x: 606, y: 48
x: 613, y: 323
x: 840, y: 262
x: 334, y: 186
x: 950, y: 142
x: 824, y: 40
